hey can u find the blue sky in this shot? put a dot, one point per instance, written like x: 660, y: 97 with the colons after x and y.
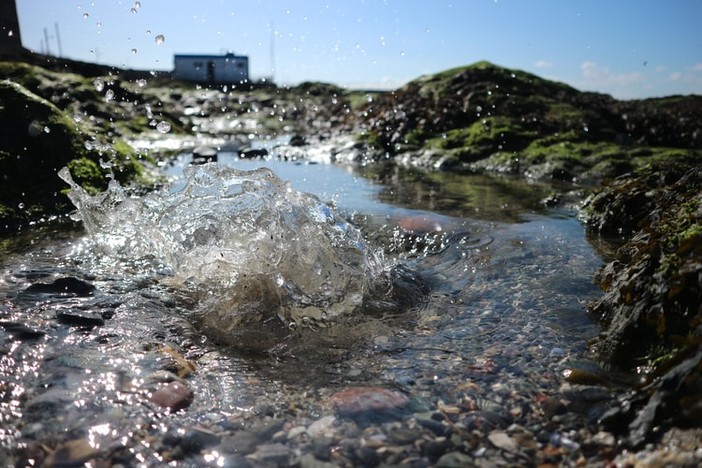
x: 626, y: 48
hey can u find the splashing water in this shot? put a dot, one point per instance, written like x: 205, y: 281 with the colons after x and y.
x: 260, y: 257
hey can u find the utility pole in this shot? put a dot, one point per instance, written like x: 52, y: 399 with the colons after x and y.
x: 58, y: 40
x: 46, y: 41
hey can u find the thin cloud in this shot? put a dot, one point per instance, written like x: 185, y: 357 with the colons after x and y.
x: 697, y: 67
x: 543, y: 64
x: 623, y: 85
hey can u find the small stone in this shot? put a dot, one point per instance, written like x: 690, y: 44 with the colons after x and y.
x: 503, y: 441
x: 321, y: 426
x: 276, y: 454
x: 21, y: 332
x: 195, y: 440
x: 64, y: 287
x: 71, y: 453
x: 455, y: 460
x: 604, y: 438
x: 174, y: 396
x: 309, y: 461
x: 79, y: 318
x: 357, y: 400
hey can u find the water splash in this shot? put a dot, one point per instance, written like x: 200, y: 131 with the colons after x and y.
x: 260, y: 257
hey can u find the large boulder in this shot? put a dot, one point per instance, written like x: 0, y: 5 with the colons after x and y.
x: 36, y: 140
x: 651, y: 309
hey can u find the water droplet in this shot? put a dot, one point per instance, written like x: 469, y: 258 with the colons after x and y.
x: 10, y: 33
x: 134, y: 10
x: 160, y: 39
x: 47, y: 129
x: 148, y: 32
x: 20, y: 206
x: 402, y: 53
x: 141, y: 82
x: 109, y: 95
x: 137, y: 5
x: 86, y: 16
x: 163, y: 127
x: 134, y: 51
x: 99, y: 84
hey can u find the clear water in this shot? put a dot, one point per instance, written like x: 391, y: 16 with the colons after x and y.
x: 501, y: 283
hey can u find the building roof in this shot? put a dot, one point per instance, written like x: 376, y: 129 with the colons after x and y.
x: 212, y: 56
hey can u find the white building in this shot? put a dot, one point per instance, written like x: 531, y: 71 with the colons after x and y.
x: 219, y: 69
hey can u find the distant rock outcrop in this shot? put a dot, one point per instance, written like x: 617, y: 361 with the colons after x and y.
x: 487, y: 117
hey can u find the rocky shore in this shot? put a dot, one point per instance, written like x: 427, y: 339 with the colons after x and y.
x: 639, y: 161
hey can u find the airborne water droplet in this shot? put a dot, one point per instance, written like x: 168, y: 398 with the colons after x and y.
x: 163, y: 127
x: 86, y: 16
x: 109, y: 95
x: 99, y: 85
x: 160, y: 39
x: 134, y: 51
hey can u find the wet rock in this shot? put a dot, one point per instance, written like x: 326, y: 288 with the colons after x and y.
x: 275, y: 454
x: 309, y: 461
x: 79, y: 318
x: 204, y: 154
x: 503, y: 441
x: 21, y: 331
x: 253, y: 153
x: 173, y: 396
x: 71, y: 453
x: 298, y: 140
x: 63, y: 287
x: 455, y: 460
x: 198, y: 439
x: 321, y: 426
x: 652, y: 294
x: 36, y: 140
x: 368, y: 401
x: 246, y: 441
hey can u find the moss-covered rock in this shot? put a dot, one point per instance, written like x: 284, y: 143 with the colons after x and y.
x: 651, y: 310
x: 486, y: 117
x: 37, y: 139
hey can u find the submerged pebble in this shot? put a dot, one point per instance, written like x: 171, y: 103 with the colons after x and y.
x: 174, y: 396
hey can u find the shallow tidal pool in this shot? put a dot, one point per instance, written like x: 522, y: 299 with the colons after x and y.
x: 500, y: 280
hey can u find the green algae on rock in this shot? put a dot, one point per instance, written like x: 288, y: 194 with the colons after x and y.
x: 651, y: 309
x: 486, y: 117
x: 37, y: 138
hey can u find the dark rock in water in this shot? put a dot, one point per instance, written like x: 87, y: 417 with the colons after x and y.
x: 21, y: 331
x: 174, y: 396
x: 197, y: 439
x: 80, y: 318
x: 71, y: 453
x: 204, y: 154
x: 253, y: 153
x: 64, y: 287
x: 298, y: 140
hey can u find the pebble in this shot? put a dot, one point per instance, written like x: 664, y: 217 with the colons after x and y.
x: 79, y: 318
x: 71, y: 453
x: 276, y: 454
x: 174, y: 396
x: 358, y: 400
x: 503, y: 441
x: 455, y: 460
x: 322, y: 426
